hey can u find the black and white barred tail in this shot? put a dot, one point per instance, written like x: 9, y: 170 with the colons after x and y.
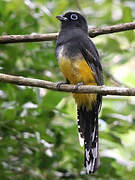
x: 88, y: 133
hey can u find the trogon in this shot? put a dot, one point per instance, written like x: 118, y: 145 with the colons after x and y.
x: 79, y: 62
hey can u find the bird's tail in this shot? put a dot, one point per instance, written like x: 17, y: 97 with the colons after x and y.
x: 88, y: 130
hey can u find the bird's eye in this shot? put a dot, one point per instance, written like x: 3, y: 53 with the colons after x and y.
x: 74, y: 17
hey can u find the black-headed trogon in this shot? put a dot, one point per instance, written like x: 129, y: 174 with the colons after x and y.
x: 79, y: 62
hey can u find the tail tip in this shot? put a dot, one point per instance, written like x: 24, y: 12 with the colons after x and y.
x: 91, y: 163
x: 91, y: 167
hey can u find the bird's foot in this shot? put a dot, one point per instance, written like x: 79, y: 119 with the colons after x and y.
x: 78, y: 84
x: 61, y: 83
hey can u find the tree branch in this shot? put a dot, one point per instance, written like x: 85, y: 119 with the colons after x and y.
x: 104, y: 90
x: 93, y: 32
x: 112, y: 29
x: 27, y: 38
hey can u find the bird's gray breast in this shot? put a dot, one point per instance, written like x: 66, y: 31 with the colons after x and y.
x: 68, y: 50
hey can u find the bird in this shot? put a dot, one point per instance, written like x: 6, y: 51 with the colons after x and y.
x: 80, y: 63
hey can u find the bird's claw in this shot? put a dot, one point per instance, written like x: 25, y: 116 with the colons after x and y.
x: 78, y: 84
x: 60, y: 83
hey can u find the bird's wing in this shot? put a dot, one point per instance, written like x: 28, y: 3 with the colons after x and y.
x: 90, y: 54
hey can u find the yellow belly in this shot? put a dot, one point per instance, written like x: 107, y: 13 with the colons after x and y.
x: 77, y: 71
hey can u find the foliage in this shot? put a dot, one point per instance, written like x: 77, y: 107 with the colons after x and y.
x: 38, y: 131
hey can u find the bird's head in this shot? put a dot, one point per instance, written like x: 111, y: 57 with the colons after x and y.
x: 73, y: 20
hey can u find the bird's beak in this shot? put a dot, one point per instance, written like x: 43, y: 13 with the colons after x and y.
x: 61, y: 18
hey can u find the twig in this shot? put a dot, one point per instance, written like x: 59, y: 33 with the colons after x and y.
x: 93, y: 32
x: 104, y: 90
x: 115, y: 81
x: 79, y: 6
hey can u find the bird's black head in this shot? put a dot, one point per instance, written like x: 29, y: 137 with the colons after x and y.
x: 73, y: 20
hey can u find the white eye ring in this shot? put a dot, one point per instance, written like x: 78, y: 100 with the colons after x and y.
x: 74, y: 17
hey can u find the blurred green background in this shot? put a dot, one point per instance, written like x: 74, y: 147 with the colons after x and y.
x: 38, y: 130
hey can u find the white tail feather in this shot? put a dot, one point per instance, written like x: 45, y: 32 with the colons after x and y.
x: 81, y: 140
